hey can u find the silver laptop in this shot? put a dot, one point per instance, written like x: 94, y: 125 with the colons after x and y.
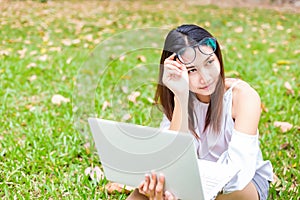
x: 127, y: 152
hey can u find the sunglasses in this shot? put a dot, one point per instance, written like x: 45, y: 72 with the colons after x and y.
x: 206, y: 46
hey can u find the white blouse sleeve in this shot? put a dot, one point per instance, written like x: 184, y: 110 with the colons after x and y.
x: 242, y: 153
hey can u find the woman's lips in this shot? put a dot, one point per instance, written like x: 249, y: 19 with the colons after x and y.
x: 205, y: 87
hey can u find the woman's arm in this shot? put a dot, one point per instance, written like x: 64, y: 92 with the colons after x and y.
x: 175, y: 77
x: 246, y: 108
x: 243, y: 148
x: 179, y: 120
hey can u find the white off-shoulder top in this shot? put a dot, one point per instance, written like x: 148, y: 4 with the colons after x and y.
x: 229, y: 146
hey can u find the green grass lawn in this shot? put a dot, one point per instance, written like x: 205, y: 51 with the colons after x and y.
x: 45, y: 50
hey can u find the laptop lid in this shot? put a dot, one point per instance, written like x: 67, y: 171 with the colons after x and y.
x: 128, y: 151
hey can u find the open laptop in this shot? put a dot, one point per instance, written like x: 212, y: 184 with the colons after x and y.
x: 128, y: 151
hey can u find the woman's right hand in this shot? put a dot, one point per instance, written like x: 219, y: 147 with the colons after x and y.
x: 175, y: 77
x: 153, y: 188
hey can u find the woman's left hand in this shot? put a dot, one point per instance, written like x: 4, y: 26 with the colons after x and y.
x: 153, y: 188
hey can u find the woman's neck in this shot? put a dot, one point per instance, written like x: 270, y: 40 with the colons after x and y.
x: 203, y: 98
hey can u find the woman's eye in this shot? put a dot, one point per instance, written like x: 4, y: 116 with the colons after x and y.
x: 210, y: 61
x: 192, y: 70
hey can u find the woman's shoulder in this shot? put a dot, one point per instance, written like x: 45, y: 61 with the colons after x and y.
x: 246, y: 102
x: 240, y: 89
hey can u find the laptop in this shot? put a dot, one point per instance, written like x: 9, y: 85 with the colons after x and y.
x: 127, y: 152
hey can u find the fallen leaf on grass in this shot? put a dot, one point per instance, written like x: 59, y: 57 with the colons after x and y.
x: 32, y: 78
x: 94, y: 173
x: 66, y: 42
x: 32, y: 53
x: 239, y: 29
x: 142, y: 58
x: 89, y: 37
x: 279, y: 185
x: 207, y: 24
x: 105, y: 105
x: 276, y: 180
x: 117, y: 187
x: 124, y: 89
x: 284, y: 126
x: 57, y: 49
x: 271, y: 50
x: 69, y: 42
x: 289, y: 88
x: 293, y: 187
x: 284, y: 145
x: 43, y: 57
x: 4, y: 52
x: 31, y: 65
x: 122, y: 57
x: 283, y: 62
x: 264, y: 108
x: 132, y: 97
x: 69, y: 60
x: 58, y: 99
x: 126, y: 117
x: 22, y: 52
x: 30, y: 107
x: 279, y: 27
x: 297, y: 51
x: 151, y: 100
x: 87, y: 147
x: 76, y: 41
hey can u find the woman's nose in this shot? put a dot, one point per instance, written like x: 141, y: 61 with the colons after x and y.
x: 203, y: 76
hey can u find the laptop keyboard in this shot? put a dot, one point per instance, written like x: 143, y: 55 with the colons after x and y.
x: 210, y: 183
x: 213, y: 177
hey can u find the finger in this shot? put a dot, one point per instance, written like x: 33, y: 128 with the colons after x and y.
x: 175, y: 63
x: 173, y: 66
x: 152, y: 184
x: 160, y: 186
x: 171, y: 57
x: 172, y: 72
x: 141, y: 186
x: 174, y: 59
x: 146, y: 185
x: 177, y: 69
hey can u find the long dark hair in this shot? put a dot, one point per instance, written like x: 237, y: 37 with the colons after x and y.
x: 182, y: 36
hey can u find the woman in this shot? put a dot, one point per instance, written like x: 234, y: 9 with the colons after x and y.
x: 223, y: 114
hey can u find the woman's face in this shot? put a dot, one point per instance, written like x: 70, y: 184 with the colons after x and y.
x: 204, y: 73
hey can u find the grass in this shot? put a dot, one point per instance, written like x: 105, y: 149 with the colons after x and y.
x: 45, y: 48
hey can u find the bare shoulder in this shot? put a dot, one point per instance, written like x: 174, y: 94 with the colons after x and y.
x: 242, y: 91
x: 246, y: 107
